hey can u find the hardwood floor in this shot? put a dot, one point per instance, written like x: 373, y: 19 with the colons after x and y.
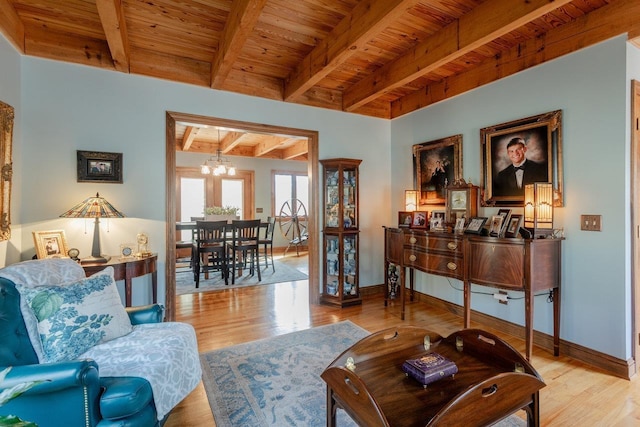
x: 576, y: 394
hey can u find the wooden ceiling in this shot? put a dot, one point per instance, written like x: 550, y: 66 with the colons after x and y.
x: 381, y: 58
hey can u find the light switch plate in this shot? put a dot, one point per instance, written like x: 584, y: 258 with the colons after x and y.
x: 591, y: 222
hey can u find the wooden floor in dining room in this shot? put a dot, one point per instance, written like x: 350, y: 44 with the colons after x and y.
x: 576, y: 394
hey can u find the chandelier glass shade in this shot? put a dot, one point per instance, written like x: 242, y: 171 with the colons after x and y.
x: 217, y: 166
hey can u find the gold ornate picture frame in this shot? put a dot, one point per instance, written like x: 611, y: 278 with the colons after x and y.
x: 436, y: 164
x: 50, y: 244
x: 7, y: 116
x: 542, y: 136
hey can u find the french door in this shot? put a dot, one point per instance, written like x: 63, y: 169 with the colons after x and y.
x: 195, y: 191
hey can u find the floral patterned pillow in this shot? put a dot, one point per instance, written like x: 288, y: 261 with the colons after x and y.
x: 73, y: 317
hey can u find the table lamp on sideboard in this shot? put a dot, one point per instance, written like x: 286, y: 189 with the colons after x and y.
x: 94, y: 207
x: 538, y: 208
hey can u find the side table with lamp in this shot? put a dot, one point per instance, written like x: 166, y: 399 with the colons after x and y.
x: 124, y: 268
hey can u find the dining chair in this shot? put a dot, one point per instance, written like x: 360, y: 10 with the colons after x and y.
x: 182, y: 244
x: 211, y: 249
x: 266, y: 243
x: 244, y: 246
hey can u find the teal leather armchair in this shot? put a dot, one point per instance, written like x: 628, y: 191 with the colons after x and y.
x: 72, y: 392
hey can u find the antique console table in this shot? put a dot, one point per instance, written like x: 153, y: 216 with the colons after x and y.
x: 525, y: 265
x: 493, y: 381
x: 128, y: 268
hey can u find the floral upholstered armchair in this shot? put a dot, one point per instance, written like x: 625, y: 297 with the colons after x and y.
x: 99, y: 364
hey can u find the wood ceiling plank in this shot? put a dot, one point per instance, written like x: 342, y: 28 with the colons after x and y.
x: 11, y: 25
x: 368, y: 19
x: 169, y: 67
x: 115, y: 29
x: 64, y: 47
x: 240, y: 81
x: 242, y: 18
x: 619, y: 17
x: 472, y: 30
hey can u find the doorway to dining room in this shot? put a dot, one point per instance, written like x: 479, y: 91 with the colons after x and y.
x: 308, y: 141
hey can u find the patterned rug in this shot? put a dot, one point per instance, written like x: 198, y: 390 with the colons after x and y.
x: 186, y: 285
x: 276, y: 381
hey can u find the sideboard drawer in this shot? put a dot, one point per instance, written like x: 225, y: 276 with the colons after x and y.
x: 442, y: 264
x: 445, y: 265
x: 415, y: 239
x: 445, y: 244
x: 415, y: 258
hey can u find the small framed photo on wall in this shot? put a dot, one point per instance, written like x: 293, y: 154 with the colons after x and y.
x: 95, y: 166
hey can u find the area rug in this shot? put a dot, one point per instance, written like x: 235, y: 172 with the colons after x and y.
x: 186, y: 285
x: 276, y: 381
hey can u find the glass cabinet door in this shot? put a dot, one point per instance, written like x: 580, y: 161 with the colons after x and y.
x: 350, y: 264
x: 331, y: 198
x: 332, y: 267
x: 350, y: 196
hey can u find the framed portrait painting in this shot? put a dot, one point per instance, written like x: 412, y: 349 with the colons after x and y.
x: 96, y: 166
x: 521, y: 152
x: 50, y: 244
x: 435, y: 165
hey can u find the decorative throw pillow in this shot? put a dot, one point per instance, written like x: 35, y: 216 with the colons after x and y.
x: 72, y: 318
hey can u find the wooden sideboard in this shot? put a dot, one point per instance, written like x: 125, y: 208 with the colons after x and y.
x: 523, y: 265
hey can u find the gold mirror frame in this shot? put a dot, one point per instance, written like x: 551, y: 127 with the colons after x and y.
x: 6, y: 168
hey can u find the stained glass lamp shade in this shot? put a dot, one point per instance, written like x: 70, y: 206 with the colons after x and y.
x: 94, y: 207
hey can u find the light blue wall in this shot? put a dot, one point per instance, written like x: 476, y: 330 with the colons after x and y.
x: 67, y: 107
x: 590, y: 88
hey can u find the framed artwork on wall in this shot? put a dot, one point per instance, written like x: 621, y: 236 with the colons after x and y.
x: 7, y: 115
x: 96, y: 166
x: 436, y: 164
x: 521, y: 152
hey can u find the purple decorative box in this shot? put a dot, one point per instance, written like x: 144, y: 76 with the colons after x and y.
x: 429, y: 368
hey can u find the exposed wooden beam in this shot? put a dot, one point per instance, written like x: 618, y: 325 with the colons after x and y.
x: 619, y: 17
x: 115, y: 29
x: 298, y: 149
x: 267, y: 144
x: 478, y: 27
x: 189, y: 135
x: 242, y: 18
x: 11, y: 25
x: 230, y: 140
x: 368, y: 19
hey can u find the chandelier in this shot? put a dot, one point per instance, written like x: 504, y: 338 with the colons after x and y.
x: 217, y: 166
